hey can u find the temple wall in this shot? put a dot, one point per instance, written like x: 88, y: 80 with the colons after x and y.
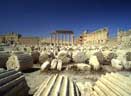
x: 124, y: 38
x: 97, y: 37
x: 14, y: 38
x: 29, y: 41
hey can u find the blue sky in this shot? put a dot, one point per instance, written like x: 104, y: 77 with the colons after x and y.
x: 40, y: 17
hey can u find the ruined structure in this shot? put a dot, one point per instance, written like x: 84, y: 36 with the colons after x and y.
x: 97, y: 37
x: 9, y: 38
x: 66, y: 37
x: 121, y: 35
x: 62, y: 37
x: 29, y: 40
x: 15, y: 38
x: 124, y: 38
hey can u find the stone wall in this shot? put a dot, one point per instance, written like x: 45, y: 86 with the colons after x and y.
x: 97, y: 37
x: 29, y: 40
x: 124, y: 38
x: 14, y: 38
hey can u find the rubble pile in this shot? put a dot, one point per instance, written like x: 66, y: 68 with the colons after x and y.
x: 62, y: 59
x: 44, y: 56
x: 64, y: 56
x: 3, y: 59
x: 79, y: 57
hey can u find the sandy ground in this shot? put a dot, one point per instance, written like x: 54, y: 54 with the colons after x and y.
x: 84, y: 79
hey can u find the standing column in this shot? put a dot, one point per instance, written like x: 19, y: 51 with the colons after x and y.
x: 51, y: 39
x: 60, y: 39
x: 64, y: 38
x: 94, y: 39
x: 69, y: 39
x: 72, y: 37
x: 55, y: 39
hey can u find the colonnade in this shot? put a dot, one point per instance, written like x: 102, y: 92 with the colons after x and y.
x: 62, y: 38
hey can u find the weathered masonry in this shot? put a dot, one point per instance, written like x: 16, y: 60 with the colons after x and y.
x: 15, y: 38
x: 97, y: 37
x: 122, y: 35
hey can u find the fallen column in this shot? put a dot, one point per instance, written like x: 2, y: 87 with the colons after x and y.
x: 112, y: 85
x: 58, y: 85
x: 19, y: 62
x: 12, y: 83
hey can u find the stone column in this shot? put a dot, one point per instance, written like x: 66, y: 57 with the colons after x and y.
x: 55, y: 39
x: 69, y: 39
x: 59, y: 39
x: 65, y: 38
x: 95, y: 38
x: 72, y: 38
x: 51, y: 39
x: 62, y: 38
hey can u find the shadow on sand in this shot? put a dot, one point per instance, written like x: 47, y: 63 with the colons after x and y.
x: 30, y: 70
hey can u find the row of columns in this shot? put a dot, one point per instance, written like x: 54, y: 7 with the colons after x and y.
x: 62, y: 39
